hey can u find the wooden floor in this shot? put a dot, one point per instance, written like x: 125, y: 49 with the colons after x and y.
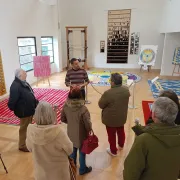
x: 105, y: 167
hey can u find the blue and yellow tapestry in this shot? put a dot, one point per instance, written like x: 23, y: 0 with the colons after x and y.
x: 161, y: 84
x: 176, y: 58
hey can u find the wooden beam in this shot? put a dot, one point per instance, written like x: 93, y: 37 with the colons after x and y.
x: 67, y: 39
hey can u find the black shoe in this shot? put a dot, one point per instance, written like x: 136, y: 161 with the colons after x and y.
x: 88, y: 170
x: 24, y: 149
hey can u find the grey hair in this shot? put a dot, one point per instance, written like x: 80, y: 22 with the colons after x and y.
x: 165, y: 110
x: 44, y: 114
x: 116, y: 78
x: 18, y: 72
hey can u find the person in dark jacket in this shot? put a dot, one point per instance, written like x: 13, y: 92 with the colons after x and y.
x: 155, y: 152
x: 173, y: 96
x: 23, y: 102
x: 114, y: 105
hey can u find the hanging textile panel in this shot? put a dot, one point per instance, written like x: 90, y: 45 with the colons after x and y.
x: 118, y: 36
x: 42, y: 67
x: 2, y: 81
x: 176, y: 58
x: 148, y: 55
x: 77, y: 44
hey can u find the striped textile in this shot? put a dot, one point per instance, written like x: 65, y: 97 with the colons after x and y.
x: 56, y: 97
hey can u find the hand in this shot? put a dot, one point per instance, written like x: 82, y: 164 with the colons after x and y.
x: 73, y: 85
x: 81, y: 85
x: 137, y: 121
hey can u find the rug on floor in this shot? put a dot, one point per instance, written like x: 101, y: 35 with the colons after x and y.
x: 53, y: 96
x: 162, y: 84
x: 102, y: 78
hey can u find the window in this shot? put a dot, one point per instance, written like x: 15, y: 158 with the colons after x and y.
x: 47, y: 48
x: 27, y: 49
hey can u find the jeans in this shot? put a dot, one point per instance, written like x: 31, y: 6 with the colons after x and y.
x: 83, y: 93
x: 112, y: 131
x: 82, y: 159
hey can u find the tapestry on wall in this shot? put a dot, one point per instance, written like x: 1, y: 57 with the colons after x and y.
x: 2, y: 81
x: 147, y: 56
x: 134, y: 47
x: 118, y: 36
x: 176, y: 58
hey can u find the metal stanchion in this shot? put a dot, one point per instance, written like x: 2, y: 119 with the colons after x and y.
x: 133, y: 97
x: 3, y: 164
x: 86, y: 100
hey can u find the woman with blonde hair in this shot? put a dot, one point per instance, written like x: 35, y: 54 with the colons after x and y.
x: 49, y: 144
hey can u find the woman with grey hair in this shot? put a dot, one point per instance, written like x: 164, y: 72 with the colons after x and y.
x: 49, y: 144
x: 155, y: 153
x: 138, y: 129
x: 173, y: 96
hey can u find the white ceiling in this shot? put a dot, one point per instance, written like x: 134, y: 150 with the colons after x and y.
x: 49, y: 2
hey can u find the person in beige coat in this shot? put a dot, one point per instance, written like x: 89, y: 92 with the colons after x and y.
x: 77, y: 117
x: 49, y: 144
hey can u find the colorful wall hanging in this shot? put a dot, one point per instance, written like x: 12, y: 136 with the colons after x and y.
x: 176, y: 58
x: 147, y: 56
x: 42, y: 66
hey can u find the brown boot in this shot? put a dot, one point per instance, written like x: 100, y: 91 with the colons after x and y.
x: 24, y: 149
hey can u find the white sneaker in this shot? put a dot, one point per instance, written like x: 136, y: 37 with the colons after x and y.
x: 109, y: 152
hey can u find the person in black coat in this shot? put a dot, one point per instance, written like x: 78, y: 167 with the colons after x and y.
x: 23, y: 102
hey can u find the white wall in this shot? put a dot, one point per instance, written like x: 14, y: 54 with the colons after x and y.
x: 171, y: 14
x: 25, y: 18
x: 171, y: 27
x: 172, y: 40
x: 146, y: 18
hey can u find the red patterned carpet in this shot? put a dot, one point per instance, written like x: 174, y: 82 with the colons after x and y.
x: 53, y: 96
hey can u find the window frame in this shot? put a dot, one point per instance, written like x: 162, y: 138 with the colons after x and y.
x: 49, y: 50
x: 35, y: 45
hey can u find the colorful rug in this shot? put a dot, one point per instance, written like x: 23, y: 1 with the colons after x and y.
x: 102, y: 78
x: 53, y: 96
x: 161, y: 84
x: 146, y: 106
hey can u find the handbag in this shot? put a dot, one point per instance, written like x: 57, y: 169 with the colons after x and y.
x: 90, y: 143
x: 72, y: 169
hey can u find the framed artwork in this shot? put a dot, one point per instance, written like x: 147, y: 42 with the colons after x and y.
x: 147, y: 55
x: 134, y: 46
x: 118, y: 36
